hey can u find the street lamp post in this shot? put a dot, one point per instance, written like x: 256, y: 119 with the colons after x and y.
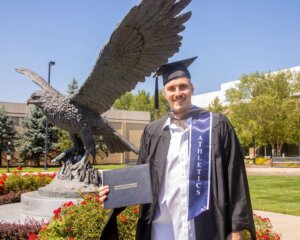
x: 51, y: 63
x: 8, y: 156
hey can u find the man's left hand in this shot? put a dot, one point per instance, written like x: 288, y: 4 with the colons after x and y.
x: 235, y: 236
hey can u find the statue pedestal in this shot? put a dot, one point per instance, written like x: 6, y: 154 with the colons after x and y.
x: 39, y: 207
x: 41, y: 204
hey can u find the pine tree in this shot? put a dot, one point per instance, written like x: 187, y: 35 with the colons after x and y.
x: 216, y: 106
x: 72, y: 87
x: 7, y: 132
x: 31, y: 145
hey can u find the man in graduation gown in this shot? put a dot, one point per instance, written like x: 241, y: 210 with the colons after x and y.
x: 199, y: 183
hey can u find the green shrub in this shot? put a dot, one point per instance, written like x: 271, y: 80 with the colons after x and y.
x: 264, y: 228
x: 30, y: 182
x: 18, y: 231
x: 85, y: 221
x: 11, y: 197
x: 287, y: 164
x: 127, y: 223
x: 261, y: 161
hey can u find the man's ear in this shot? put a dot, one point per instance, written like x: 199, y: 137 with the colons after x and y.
x: 163, y: 92
x: 192, y: 88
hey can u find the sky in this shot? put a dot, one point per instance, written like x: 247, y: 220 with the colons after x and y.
x: 230, y: 38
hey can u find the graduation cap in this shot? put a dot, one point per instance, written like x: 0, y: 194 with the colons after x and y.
x: 171, y: 71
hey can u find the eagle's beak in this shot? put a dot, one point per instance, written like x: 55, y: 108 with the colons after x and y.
x: 28, y: 101
x: 20, y: 70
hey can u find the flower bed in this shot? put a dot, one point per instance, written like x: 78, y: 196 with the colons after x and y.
x: 83, y: 221
x: 18, y: 183
x: 20, y: 231
x: 66, y: 222
x: 11, y: 188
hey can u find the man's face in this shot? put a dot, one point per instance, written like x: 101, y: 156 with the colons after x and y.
x: 178, y: 93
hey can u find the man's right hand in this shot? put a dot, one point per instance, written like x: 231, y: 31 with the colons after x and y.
x: 103, y: 191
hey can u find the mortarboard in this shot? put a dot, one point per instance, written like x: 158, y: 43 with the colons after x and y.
x: 171, y: 71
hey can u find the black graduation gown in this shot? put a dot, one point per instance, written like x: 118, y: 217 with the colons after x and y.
x: 230, y: 207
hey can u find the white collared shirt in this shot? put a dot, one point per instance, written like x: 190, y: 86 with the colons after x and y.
x: 170, y: 218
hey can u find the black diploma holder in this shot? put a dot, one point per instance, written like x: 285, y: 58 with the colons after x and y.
x: 128, y: 186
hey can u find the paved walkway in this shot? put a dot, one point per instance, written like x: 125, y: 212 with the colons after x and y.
x: 273, y: 171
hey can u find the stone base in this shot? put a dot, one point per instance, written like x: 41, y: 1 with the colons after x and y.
x: 36, y: 206
x: 67, y: 189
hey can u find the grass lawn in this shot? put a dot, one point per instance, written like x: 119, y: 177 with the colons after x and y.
x: 279, y: 194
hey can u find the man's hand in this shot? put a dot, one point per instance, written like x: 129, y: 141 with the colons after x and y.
x: 103, y: 191
x: 234, y: 236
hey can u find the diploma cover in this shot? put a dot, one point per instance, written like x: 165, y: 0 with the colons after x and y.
x: 128, y: 186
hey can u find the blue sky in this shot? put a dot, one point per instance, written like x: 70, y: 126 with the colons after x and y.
x: 230, y: 38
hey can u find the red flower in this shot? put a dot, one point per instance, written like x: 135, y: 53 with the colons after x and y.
x: 69, y: 204
x: 32, y: 236
x: 2, y: 182
x: 68, y: 229
x: 136, y: 210
x: 57, y: 211
x: 83, y: 202
x: 123, y: 218
x: 71, y: 238
x: 3, y: 176
x: 19, y: 168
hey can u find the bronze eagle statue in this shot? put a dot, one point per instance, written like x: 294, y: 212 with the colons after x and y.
x: 144, y: 40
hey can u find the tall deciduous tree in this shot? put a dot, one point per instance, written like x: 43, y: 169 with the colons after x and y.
x: 125, y: 102
x: 142, y: 101
x: 267, y: 107
x: 31, y: 144
x: 7, y: 132
x: 216, y: 106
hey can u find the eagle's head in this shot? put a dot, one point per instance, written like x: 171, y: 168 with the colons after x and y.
x: 40, y: 98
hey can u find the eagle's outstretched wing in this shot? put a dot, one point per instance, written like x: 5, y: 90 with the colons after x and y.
x: 143, y: 41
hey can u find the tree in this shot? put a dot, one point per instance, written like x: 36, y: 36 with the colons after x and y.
x: 72, y: 87
x: 267, y: 107
x: 125, y: 102
x: 7, y: 132
x: 64, y: 141
x: 216, y: 106
x: 163, y: 107
x: 142, y: 101
x: 31, y: 144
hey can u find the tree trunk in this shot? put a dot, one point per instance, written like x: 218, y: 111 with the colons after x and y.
x: 279, y: 148
x: 0, y: 158
x: 273, y: 150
